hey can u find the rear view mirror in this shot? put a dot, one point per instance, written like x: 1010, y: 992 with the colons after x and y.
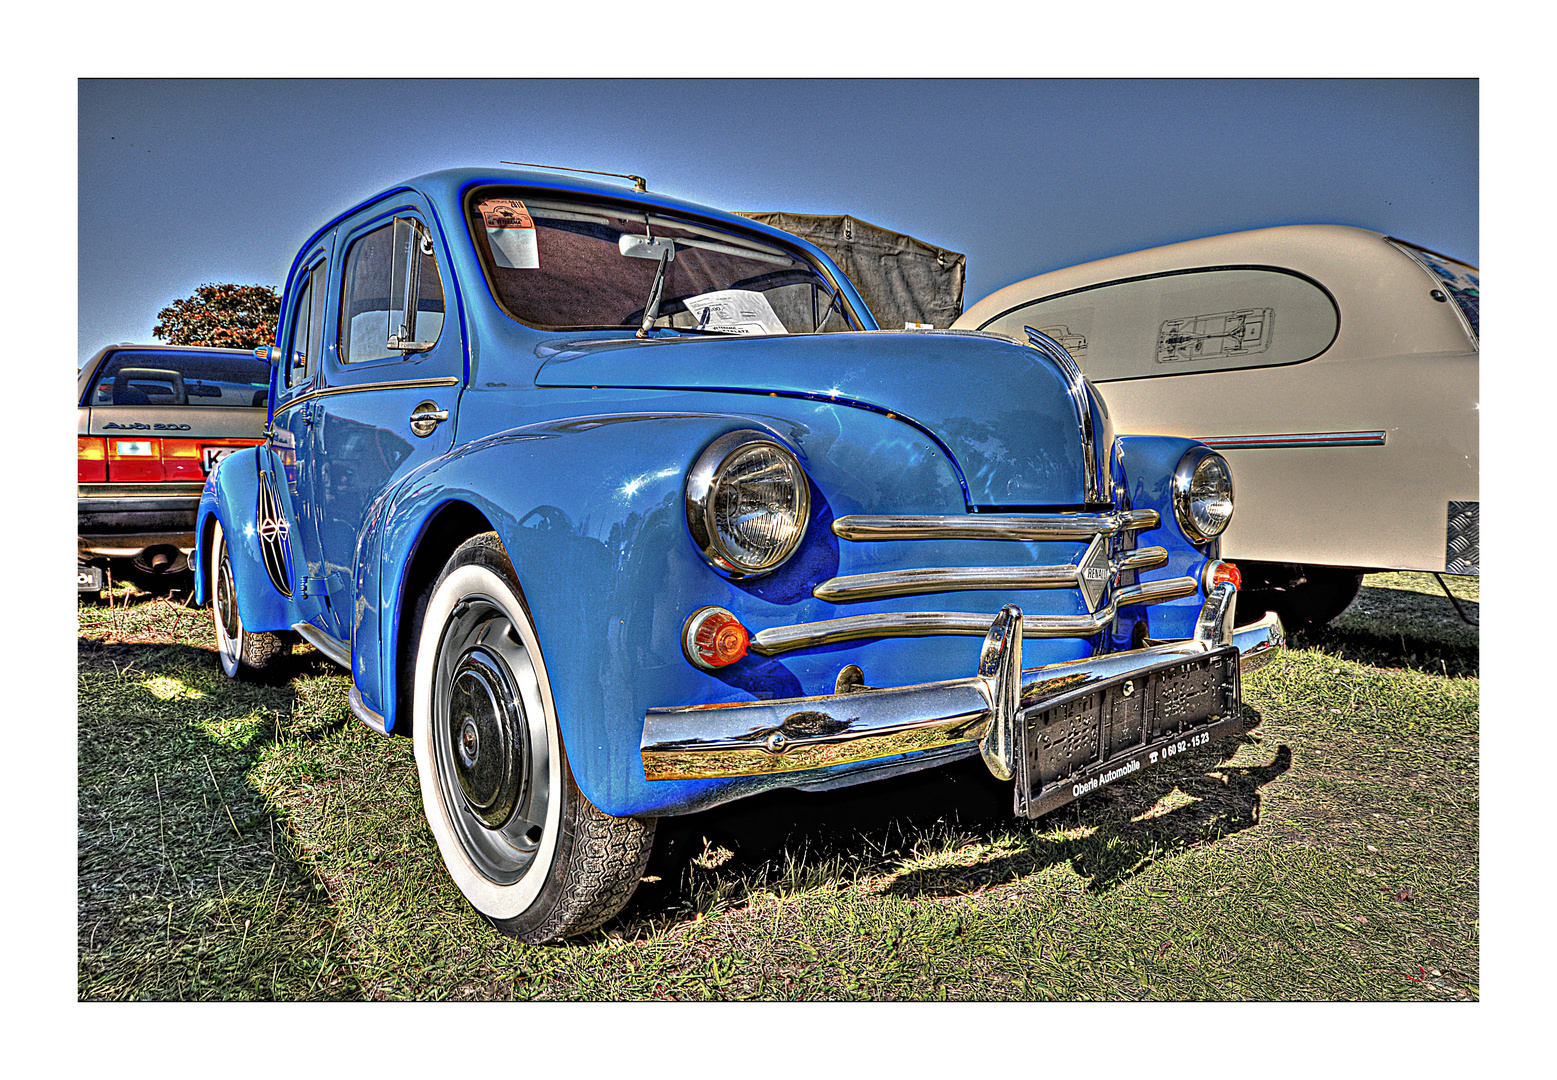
x: 646, y: 247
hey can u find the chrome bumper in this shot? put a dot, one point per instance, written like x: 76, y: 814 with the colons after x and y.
x: 761, y: 738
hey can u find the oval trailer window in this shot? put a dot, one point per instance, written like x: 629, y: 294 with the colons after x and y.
x: 1184, y: 322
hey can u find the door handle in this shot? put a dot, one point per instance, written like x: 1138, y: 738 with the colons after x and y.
x: 425, y: 417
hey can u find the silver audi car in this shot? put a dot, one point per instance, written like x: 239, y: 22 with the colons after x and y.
x: 153, y: 421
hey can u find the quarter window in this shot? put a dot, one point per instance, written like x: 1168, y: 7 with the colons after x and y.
x: 307, y: 329
x: 374, y: 289
x: 1180, y: 323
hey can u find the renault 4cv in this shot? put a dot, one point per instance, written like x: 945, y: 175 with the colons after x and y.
x: 623, y: 507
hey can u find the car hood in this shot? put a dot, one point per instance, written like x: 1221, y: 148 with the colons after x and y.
x: 1001, y: 411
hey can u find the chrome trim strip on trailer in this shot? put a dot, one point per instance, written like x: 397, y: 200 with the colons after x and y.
x: 1298, y: 441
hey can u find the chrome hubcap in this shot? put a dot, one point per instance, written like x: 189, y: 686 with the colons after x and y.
x: 489, y: 748
x: 226, y: 606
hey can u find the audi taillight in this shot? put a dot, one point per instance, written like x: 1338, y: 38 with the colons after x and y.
x: 181, y: 460
x: 134, y: 460
x: 91, y: 460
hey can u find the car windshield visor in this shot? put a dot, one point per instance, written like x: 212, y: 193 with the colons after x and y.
x: 561, y: 265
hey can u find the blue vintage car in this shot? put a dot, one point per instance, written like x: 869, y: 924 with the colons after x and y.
x: 623, y: 507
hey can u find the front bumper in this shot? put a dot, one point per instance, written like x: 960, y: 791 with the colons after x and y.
x: 762, y: 738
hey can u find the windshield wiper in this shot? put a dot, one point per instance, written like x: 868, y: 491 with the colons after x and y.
x: 651, y: 310
x: 827, y: 312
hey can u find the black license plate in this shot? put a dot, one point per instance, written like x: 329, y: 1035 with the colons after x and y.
x: 1079, y: 743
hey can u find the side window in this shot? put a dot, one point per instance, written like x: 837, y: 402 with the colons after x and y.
x: 1180, y: 323
x: 307, y: 329
x: 383, y: 268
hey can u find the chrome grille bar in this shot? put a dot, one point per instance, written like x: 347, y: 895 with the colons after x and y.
x: 781, y: 639
x: 936, y: 579
x: 992, y: 526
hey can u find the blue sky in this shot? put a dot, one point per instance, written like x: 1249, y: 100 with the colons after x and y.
x: 187, y: 181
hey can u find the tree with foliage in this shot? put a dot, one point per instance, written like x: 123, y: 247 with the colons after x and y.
x: 222, y: 316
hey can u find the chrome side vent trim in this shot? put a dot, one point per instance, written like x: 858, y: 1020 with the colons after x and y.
x: 938, y: 579
x: 1025, y: 527
x: 781, y: 639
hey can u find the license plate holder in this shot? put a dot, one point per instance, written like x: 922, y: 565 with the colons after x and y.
x: 1073, y: 745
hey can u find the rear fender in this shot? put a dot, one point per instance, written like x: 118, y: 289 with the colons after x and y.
x: 231, y: 496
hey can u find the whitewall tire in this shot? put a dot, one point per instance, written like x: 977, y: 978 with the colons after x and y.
x: 521, y: 842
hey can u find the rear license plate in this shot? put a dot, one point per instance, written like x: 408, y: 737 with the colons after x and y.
x: 210, y: 455
x: 89, y: 578
x: 1080, y: 743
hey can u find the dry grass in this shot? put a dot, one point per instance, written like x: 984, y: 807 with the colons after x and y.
x: 255, y: 841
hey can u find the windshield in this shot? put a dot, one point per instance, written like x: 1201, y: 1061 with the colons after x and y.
x: 1461, y: 280
x: 586, y: 266
x: 182, y: 377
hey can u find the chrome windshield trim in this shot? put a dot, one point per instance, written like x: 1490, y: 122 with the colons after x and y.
x: 939, y: 579
x: 1020, y: 527
x: 781, y: 639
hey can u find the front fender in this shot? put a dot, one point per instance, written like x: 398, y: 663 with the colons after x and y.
x: 1146, y: 464
x: 231, y: 496
x: 591, y: 513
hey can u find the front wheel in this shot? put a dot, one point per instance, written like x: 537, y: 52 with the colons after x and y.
x: 243, y: 653
x: 525, y: 847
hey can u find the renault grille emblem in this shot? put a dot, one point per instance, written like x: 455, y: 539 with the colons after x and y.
x: 1092, y: 572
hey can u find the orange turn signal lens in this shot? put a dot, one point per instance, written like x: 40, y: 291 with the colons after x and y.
x: 1218, y: 572
x: 713, y: 638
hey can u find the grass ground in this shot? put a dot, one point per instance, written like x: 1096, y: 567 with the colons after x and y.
x: 244, y: 841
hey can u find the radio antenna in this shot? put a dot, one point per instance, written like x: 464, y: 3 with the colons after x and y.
x: 639, y: 183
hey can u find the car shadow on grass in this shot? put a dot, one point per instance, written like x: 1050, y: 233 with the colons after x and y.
x: 951, y: 831
x: 1398, y: 628
x: 187, y: 886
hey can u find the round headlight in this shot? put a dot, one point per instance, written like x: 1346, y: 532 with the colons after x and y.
x: 1203, y: 494
x: 747, y: 504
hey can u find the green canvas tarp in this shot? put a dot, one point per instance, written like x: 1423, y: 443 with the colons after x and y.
x: 903, y: 280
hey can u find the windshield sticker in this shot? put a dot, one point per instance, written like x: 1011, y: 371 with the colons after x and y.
x: 511, y: 232
x: 734, y: 311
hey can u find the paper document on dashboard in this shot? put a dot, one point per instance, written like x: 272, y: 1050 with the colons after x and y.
x: 734, y: 311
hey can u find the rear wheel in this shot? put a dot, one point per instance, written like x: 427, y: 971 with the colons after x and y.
x: 243, y: 653
x: 525, y: 847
